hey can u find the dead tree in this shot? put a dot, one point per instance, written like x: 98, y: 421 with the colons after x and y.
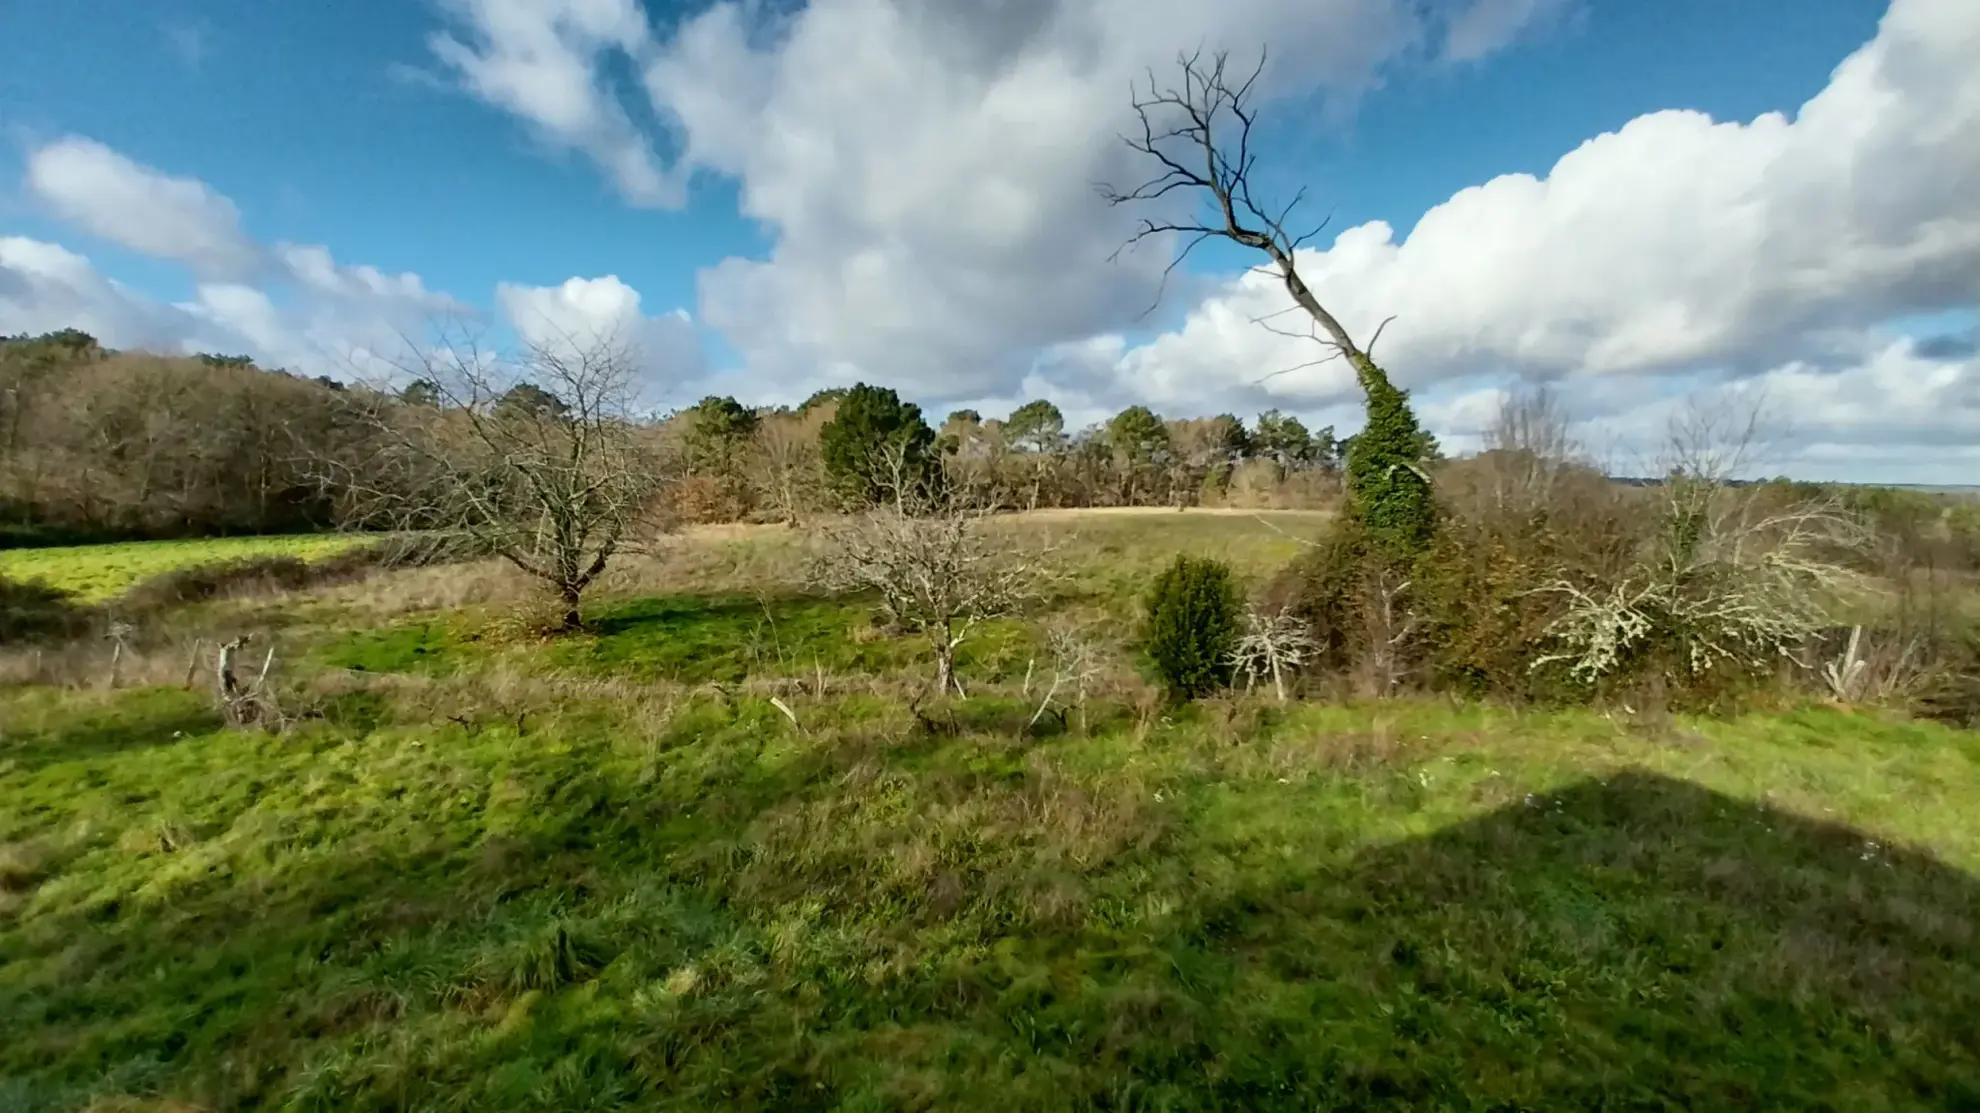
x: 1184, y: 131
x: 537, y: 461
x: 1199, y: 136
x: 119, y: 636
x: 1075, y: 666
x: 937, y: 561
x: 245, y: 703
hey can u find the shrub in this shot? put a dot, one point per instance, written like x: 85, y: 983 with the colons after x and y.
x: 1324, y: 587
x: 1513, y: 524
x: 1730, y: 585
x: 1193, y: 616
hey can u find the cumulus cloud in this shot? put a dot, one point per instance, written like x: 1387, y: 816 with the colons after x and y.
x: 1674, y: 244
x: 1900, y: 414
x: 132, y: 205
x: 584, y: 314
x: 288, y: 305
x: 927, y: 169
x: 541, y: 61
x: 45, y: 287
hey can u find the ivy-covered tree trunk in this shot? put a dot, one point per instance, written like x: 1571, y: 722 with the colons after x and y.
x: 1387, y: 487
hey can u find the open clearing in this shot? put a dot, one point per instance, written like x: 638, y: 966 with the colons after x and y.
x: 609, y: 872
x: 97, y: 572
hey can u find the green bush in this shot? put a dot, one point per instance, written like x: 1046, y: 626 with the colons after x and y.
x: 1192, y: 625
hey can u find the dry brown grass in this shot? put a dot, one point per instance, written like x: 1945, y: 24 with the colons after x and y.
x: 88, y: 663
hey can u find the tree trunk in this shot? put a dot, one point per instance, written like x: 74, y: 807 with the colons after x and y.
x: 945, y: 669
x: 573, y: 619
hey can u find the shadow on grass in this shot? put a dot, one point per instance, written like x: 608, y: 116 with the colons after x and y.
x: 727, y: 638
x: 155, y: 717
x: 1636, y: 943
x: 601, y: 941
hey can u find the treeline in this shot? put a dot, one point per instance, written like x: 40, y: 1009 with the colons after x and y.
x: 97, y: 444
x: 102, y: 445
x: 783, y: 463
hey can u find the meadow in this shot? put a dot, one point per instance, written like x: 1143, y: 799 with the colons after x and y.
x: 718, y: 852
x: 94, y: 573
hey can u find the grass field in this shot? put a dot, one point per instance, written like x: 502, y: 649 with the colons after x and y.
x: 97, y: 572
x: 611, y: 873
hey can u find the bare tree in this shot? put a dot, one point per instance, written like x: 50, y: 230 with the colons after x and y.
x: 783, y: 463
x: 936, y: 560
x: 1531, y: 449
x: 1200, y: 135
x: 536, y: 460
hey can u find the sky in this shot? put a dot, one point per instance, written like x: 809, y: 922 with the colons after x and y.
x: 1646, y: 207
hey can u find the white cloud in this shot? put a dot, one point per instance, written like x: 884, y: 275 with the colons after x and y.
x: 539, y: 60
x: 926, y: 172
x: 297, y: 307
x: 1898, y: 415
x: 1488, y: 24
x: 313, y: 265
x: 590, y: 313
x: 148, y: 211
x: 927, y: 169
x: 45, y: 287
x: 287, y: 305
x: 1673, y: 245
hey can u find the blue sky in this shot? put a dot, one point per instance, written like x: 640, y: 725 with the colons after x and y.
x: 310, y: 118
x: 339, y: 125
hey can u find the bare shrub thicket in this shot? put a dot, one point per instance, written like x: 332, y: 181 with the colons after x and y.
x: 1732, y: 582
x: 537, y: 461
x: 784, y: 468
x: 1548, y: 581
x: 1074, y: 665
x: 1273, y: 646
x: 935, y: 559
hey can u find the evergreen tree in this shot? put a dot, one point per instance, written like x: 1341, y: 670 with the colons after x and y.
x: 872, y: 429
x: 717, y: 431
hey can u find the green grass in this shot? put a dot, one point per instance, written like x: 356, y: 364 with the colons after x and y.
x: 97, y: 572
x: 611, y: 885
